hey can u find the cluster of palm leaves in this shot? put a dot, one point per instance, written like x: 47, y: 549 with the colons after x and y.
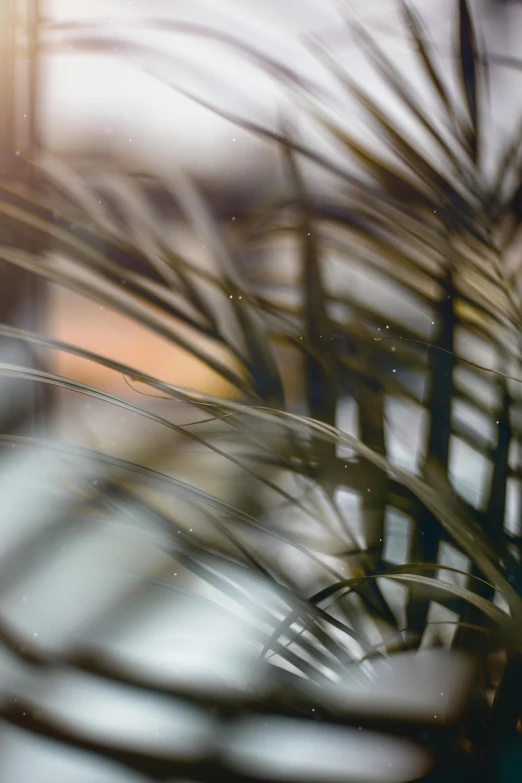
x: 293, y: 501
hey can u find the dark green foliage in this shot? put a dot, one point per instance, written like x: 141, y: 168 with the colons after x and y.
x: 426, y: 224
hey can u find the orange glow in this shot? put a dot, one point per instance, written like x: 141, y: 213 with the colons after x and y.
x: 86, y: 324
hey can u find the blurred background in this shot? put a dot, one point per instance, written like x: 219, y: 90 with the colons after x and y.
x: 170, y: 594
x: 98, y: 106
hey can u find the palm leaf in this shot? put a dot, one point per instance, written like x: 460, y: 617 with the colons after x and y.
x: 468, y: 56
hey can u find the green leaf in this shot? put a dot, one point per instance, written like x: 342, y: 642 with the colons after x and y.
x: 321, y: 382
x: 468, y: 60
x: 404, y: 91
x: 417, y: 28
